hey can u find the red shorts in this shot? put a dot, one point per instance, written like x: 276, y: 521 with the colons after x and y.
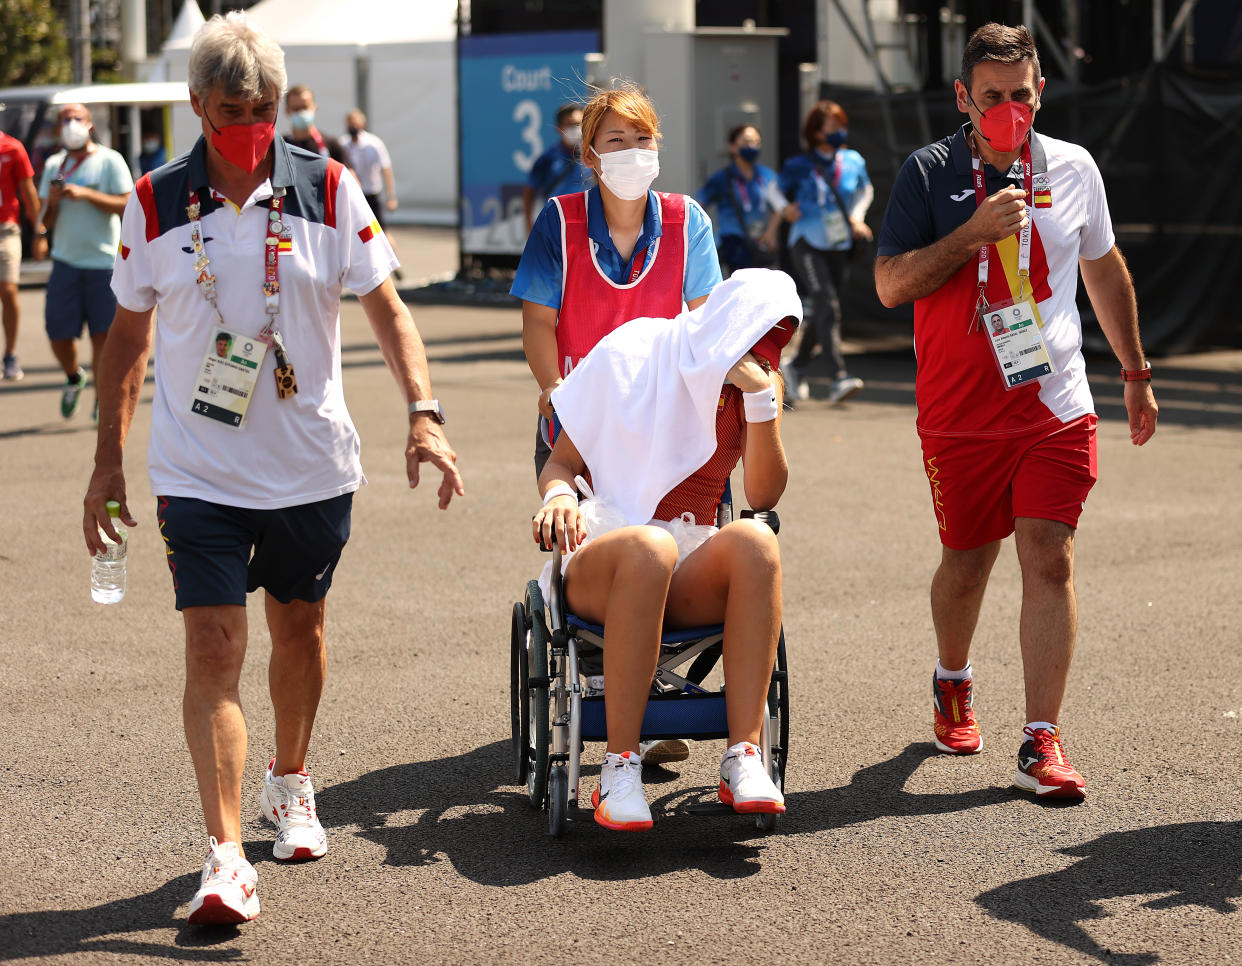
x: 980, y: 486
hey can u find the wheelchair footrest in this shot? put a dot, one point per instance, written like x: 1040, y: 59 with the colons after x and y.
x: 693, y: 716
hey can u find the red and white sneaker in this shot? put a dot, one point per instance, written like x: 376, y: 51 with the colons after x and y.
x: 620, y: 803
x: 745, y: 785
x: 288, y: 802
x: 953, y: 717
x: 1044, y: 769
x: 228, y: 892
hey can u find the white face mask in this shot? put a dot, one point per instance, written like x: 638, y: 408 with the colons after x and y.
x: 74, y: 134
x: 573, y: 135
x: 629, y: 173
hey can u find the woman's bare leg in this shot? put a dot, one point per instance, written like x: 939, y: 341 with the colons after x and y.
x: 621, y: 580
x: 735, y: 578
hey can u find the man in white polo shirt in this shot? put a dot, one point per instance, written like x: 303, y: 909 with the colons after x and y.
x: 244, y: 246
x: 986, y: 232
x: 368, y: 157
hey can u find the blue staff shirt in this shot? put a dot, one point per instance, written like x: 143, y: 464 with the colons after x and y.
x: 728, y: 184
x: 558, y: 172
x: 807, y: 188
x: 538, y: 277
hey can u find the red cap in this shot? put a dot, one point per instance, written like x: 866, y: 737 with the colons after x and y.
x: 776, y: 338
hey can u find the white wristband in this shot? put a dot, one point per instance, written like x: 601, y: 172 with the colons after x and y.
x: 761, y: 406
x: 561, y: 489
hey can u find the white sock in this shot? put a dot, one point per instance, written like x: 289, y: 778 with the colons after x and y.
x: 944, y: 674
x: 1035, y: 726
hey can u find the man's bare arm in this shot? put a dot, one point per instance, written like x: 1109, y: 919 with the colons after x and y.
x: 119, y: 374
x: 1111, y: 291
x: 916, y: 274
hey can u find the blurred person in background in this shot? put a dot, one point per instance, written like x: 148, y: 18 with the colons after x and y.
x: 84, y: 189
x: 368, y: 156
x: 300, y: 107
x: 832, y: 191
x: 152, y: 153
x: 559, y: 170
x: 748, y: 205
x: 17, y: 189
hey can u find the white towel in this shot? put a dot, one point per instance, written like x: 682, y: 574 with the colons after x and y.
x: 641, y: 407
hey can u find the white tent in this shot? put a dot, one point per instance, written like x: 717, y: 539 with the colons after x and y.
x: 393, y: 58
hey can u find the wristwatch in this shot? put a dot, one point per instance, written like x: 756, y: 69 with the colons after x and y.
x: 1137, y: 375
x: 429, y: 406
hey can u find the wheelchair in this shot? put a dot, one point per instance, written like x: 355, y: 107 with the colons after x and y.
x: 552, y: 714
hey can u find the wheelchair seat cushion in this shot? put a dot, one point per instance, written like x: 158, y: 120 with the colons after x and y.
x: 679, y: 636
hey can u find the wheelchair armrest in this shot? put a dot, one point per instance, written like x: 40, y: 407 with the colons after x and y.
x: 769, y: 517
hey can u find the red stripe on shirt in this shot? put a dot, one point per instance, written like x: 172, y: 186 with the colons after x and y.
x: 329, y: 199
x: 146, y: 198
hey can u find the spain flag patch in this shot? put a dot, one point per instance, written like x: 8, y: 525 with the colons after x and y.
x: 370, y: 231
x: 124, y: 252
x: 285, y: 245
x: 1041, y: 193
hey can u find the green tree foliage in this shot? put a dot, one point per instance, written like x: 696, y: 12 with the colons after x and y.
x: 33, y: 48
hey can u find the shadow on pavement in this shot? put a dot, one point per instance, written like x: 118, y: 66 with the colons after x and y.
x: 1191, y: 864
x: 472, y: 817
x: 101, y: 929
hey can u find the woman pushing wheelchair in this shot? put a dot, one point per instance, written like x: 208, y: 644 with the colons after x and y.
x: 657, y: 416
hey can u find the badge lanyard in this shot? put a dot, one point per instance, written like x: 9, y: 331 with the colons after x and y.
x: 742, y: 193
x: 836, y: 226
x: 271, y: 277
x: 66, y: 175
x: 821, y: 183
x: 640, y: 262
x: 1024, y: 236
x: 1019, y: 349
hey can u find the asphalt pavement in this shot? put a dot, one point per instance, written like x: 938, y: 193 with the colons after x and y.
x: 890, y: 853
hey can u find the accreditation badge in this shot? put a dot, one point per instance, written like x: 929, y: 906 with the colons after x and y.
x: 836, y: 228
x: 228, y: 376
x: 1013, y: 332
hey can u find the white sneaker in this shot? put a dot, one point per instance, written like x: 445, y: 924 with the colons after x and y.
x: 619, y: 801
x: 661, y: 752
x: 843, y: 388
x: 288, y: 802
x: 745, y: 784
x: 228, y: 891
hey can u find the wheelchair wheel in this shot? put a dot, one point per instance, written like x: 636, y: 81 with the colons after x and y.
x: 778, y: 708
x: 558, y: 800
x: 778, y: 705
x: 519, y: 696
x: 539, y: 726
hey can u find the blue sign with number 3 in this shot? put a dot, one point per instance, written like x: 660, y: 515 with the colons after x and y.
x: 510, y: 87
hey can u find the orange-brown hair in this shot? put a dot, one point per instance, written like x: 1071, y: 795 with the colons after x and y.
x: 815, y: 118
x: 628, y: 102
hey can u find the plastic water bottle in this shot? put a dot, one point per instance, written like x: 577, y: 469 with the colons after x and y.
x: 108, y: 569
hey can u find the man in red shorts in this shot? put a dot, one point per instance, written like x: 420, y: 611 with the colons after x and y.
x: 995, y: 220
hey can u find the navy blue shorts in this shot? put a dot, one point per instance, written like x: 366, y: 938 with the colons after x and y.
x: 76, y: 296
x: 217, y: 554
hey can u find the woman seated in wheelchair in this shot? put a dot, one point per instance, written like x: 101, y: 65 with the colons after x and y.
x: 671, y: 571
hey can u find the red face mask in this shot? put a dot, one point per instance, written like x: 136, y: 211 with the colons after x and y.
x: 243, y: 145
x: 1004, y: 125
x: 776, y: 338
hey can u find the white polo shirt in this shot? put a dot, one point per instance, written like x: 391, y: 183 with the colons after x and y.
x: 368, y: 157
x: 288, y: 451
